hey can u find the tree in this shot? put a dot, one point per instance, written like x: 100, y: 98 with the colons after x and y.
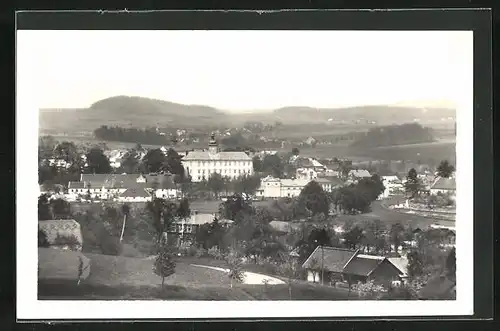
x: 412, y: 185
x: 98, y: 163
x: 42, y: 239
x: 257, y: 163
x: 66, y: 151
x: 44, y: 212
x: 130, y: 163
x: 289, y: 269
x: 319, y: 237
x: 216, y: 184
x: 396, y: 233
x: 247, y: 184
x: 61, y: 209
x: 372, y: 187
x: 235, y: 269
x: 235, y: 208
x: 295, y: 151
x: 184, y: 211
x: 154, y: 161
x: 164, y: 265
x: 451, y: 262
x: 272, y: 165
x: 314, y: 199
x: 415, y: 264
x: 353, y: 237
x: 445, y: 169
x: 173, y: 163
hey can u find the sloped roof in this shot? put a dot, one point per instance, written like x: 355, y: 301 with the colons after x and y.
x: 401, y: 263
x: 135, y: 193
x: 294, y: 182
x: 363, y: 265
x: 360, y: 173
x: 444, y: 184
x: 335, y: 259
x: 334, y: 181
x: 127, y: 180
x: 61, y: 228
x: 76, y: 185
x: 220, y: 156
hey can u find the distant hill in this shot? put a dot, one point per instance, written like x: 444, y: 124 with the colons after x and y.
x: 130, y: 111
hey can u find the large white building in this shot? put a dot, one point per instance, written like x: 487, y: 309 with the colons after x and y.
x: 201, y: 164
x: 271, y: 187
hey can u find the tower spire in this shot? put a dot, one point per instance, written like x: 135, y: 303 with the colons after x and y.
x: 213, y: 147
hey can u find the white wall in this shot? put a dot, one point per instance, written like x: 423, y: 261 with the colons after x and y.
x: 231, y: 169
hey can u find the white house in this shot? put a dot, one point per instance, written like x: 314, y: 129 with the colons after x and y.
x: 357, y: 174
x: 134, y: 195
x: 306, y: 173
x: 393, y: 185
x: 271, y: 187
x: 201, y: 164
x: 109, y: 186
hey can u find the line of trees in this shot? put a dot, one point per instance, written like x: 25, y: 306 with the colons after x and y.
x: 410, y: 133
x: 149, y: 136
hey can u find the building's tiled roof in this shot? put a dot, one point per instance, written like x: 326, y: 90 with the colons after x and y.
x: 135, y: 193
x: 294, y: 182
x: 401, y: 263
x: 76, y: 185
x: 127, y: 181
x: 335, y: 259
x: 360, y: 173
x: 444, y: 184
x: 439, y: 287
x: 363, y: 265
x: 221, y: 156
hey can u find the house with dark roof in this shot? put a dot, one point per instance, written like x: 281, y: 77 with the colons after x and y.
x: 329, y: 261
x: 341, y: 264
x: 379, y: 269
x: 444, y: 186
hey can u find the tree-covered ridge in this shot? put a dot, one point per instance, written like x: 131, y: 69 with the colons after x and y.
x: 410, y: 133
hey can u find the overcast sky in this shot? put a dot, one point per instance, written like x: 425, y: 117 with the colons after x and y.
x: 246, y: 70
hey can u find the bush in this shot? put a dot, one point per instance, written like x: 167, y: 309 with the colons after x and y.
x: 42, y: 239
x: 110, y: 245
x: 215, y: 253
x: 69, y: 240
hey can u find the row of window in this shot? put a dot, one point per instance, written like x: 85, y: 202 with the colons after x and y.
x: 221, y: 163
x: 219, y: 171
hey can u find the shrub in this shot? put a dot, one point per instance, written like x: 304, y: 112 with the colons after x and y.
x: 164, y: 265
x: 110, y: 245
x: 42, y: 239
x: 69, y: 240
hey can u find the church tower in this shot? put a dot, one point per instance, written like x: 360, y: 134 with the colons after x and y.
x: 213, y: 148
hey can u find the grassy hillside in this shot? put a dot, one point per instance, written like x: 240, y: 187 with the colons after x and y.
x: 122, y: 278
x: 142, y: 112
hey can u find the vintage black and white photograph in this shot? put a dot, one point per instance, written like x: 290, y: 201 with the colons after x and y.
x: 235, y: 166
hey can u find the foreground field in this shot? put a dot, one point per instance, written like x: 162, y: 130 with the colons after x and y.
x: 121, y: 278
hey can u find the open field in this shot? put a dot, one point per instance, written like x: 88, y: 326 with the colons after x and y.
x: 121, y: 278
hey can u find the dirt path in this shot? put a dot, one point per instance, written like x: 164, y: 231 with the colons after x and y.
x: 249, y: 277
